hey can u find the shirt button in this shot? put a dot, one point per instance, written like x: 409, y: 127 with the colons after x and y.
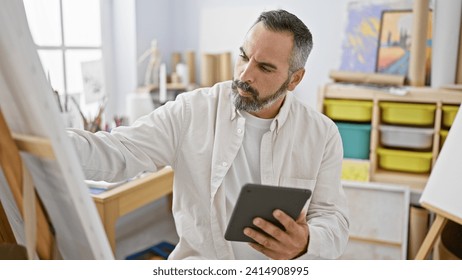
x: 224, y: 164
x: 239, y: 130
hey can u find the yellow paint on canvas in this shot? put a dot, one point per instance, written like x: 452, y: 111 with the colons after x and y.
x: 369, y: 27
x: 354, y: 41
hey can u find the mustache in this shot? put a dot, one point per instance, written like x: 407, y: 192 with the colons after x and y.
x: 245, y: 87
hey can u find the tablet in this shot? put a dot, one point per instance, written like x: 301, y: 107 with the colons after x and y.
x: 260, y: 201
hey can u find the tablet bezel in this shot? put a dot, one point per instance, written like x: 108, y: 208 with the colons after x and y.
x: 256, y: 200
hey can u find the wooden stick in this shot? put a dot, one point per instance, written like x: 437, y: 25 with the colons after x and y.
x: 459, y: 59
x: 6, y: 233
x: 367, y: 78
x: 11, y: 163
x: 431, y: 237
x: 419, y: 43
x: 34, y: 145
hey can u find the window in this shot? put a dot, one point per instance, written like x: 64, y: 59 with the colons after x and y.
x: 66, y: 33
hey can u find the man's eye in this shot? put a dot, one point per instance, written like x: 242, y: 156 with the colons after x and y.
x: 264, y: 69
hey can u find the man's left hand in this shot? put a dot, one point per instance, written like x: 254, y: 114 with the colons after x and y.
x: 279, y: 244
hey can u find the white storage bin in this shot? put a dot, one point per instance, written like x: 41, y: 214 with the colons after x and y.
x: 406, y: 137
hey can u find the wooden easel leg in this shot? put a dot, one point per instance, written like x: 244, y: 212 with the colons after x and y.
x: 431, y: 237
x: 6, y: 233
x: 12, y: 166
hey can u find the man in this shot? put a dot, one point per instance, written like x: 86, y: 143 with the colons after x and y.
x: 249, y: 130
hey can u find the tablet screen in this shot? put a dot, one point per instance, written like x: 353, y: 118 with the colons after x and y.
x: 260, y: 201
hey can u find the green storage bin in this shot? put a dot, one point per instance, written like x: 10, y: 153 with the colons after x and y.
x: 356, y: 139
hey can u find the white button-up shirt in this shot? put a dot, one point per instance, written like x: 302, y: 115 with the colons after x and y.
x: 199, y: 135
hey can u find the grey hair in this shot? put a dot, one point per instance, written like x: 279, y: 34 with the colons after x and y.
x: 283, y: 21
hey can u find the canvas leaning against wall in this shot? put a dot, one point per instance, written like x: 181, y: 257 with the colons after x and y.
x: 393, y: 51
x: 362, y: 36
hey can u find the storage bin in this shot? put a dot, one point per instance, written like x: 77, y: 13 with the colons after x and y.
x: 407, y: 161
x: 449, y: 114
x: 356, y: 139
x: 406, y: 137
x: 348, y: 110
x: 443, y: 135
x: 408, y: 113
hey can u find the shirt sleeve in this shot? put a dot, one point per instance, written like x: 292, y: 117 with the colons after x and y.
x: 147, y: 145
x: 327, y: 215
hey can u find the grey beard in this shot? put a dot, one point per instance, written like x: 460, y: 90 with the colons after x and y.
x: 253, y: 103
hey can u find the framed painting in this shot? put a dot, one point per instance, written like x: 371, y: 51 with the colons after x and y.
x: 361, y: 37
x: 393, y: 51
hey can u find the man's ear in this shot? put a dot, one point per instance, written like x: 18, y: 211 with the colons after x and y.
x: 296, y: 78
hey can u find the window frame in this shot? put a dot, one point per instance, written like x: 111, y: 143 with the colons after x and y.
x: 63, y: 48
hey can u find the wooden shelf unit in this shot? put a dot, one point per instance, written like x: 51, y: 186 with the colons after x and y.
x: 439, y: 97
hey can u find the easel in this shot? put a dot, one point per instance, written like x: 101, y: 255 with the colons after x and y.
x: 6, y: 234
x: 13, y: 169
x: 435, y: 230
x: 442, y: 192
x: 111, y: 204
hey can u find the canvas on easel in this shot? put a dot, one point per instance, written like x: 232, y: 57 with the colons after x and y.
x: 29, y: 108
x: 25, y: 221
x: 444, y: 188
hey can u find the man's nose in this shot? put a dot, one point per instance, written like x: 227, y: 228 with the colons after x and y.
x: 248, y: 72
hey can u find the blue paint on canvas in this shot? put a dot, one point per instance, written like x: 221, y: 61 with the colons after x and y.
x: 362, y: 36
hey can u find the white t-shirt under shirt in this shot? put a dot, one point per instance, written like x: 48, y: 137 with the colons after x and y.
x: 245, y: 169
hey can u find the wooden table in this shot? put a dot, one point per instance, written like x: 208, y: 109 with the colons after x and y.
x: 121, y: 200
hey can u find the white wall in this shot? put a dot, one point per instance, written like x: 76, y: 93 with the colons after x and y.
x: 119, y: 52
x: 176, y: 24
x: 153, y: 21
x: 325, y: 19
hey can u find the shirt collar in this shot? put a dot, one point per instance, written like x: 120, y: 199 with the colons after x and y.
x: 234, y: 111
x: 281, y: 117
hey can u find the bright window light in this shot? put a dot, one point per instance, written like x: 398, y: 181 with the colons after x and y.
x: 66, y: 33
x: 82, y: 23
x: 44, y: 21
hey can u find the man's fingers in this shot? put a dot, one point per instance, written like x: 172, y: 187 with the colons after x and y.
x: 302, y: 217
x: 270, y: 229
x: 259, y: 237
x: 288, y: 223
x: 277, y: 243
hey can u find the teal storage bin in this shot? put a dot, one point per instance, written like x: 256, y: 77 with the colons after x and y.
x: 356, y: 139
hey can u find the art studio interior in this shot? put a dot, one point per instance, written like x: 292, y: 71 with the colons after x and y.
x: 388, y: 73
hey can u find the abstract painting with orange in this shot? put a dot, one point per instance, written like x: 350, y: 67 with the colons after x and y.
x: 395, y: 41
